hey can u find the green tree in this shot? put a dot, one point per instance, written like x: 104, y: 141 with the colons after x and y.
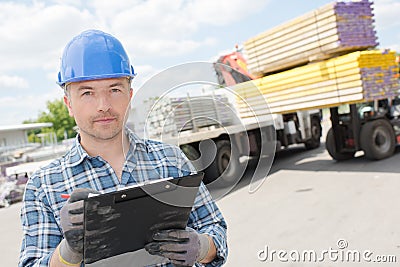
x: 56, y: 113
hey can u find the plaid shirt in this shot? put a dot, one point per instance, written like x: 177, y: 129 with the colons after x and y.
x: 40, y: 213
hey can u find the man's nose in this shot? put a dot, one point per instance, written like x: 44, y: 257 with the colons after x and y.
x: 103, y: 103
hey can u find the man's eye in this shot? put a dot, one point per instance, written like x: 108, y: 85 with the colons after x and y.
x: 87, y: 93
x: 115, y: 90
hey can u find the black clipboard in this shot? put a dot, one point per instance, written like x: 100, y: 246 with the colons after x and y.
x: 129, y: 217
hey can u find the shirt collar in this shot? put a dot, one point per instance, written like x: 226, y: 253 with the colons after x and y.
x: 135, y: 143
x: 78, y: 153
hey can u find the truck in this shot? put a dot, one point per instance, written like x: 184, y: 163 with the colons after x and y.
x: 210, y: 132
x: 333, y: 51
x: 290, y: 73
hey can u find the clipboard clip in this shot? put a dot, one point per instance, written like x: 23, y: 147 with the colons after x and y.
x: 152, y: 188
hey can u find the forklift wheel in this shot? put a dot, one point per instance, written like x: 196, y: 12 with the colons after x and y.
x: 331, y: 148
x: 377, y: 139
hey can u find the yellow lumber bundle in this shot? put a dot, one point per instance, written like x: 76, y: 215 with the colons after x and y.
x: 334, y: 29
x: 355, y: 77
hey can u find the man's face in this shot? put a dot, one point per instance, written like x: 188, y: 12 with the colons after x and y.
x: 99, y: 106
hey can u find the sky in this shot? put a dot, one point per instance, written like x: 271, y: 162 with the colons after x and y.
x: 157, y: 34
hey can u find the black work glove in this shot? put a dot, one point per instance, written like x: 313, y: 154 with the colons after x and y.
x: 182, y: 247
x: 71, y: 217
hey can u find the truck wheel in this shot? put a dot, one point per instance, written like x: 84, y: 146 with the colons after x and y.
x: 331, y: 148
x: 225, y: 165
x: 377, y: 139
x: 315, y: 140
x: 192, y: 154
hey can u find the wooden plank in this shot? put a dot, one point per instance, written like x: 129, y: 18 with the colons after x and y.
x: 335, y: 30
x: 296, y: 89
x: 295, y: 23
x: 289, y: 61
x: 268, y: 87
x: 294, y: 47
x: 350, y: 78
x: 261, y: 102
x: 311, y: 31
x: 316, y: 104
x: 305, y: 33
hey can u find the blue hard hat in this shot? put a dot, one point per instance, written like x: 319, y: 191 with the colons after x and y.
x: 93, y: 55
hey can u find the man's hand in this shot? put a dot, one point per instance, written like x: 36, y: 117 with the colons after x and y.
x: 182, y: 247
x: 71, y: 215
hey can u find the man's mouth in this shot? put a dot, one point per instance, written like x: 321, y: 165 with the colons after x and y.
x: 105, y: 120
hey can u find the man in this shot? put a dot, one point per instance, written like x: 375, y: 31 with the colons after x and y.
x: 96, y: 75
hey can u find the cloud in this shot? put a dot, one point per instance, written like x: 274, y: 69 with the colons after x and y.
x: 32, y: 34
x: 223, y: 12
x: 13, y: 81
x: 157, y: 48
x: 76, y: 3
x: 387, y: 23
x: 144, y: 73
x: 159, y: 28
x: 22, y: 107
x: 386, y: 14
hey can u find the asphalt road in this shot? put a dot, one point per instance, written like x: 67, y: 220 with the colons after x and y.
x: 309, y: 211
x: 313, y: 211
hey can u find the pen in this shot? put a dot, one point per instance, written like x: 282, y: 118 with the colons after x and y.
x: 66, y: 196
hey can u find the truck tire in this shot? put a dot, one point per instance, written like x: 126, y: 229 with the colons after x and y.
x: 225, y: 166
x: 316, y: 130
x: 377, y: 139
x: 330, y: 145
x: 192, y: 154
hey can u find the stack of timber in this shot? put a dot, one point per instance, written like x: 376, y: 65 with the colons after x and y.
x: 334, y: 29
x: 173, y: 115
x: 355, y: 77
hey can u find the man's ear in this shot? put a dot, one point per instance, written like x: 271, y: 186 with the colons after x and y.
x: 130, y: 93
x: 68, y: 104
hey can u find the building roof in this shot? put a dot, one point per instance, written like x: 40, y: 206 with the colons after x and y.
x: 28, y: 126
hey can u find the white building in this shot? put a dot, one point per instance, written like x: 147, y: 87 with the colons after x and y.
x: 16, y: 135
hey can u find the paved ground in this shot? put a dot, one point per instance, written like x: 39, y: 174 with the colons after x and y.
x: 306, y: 205
x: 310, y: 203
x: 10, y: 235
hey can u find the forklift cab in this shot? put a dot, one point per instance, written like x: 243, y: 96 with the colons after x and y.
x: 395, y: 108
x: 389, y: 108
